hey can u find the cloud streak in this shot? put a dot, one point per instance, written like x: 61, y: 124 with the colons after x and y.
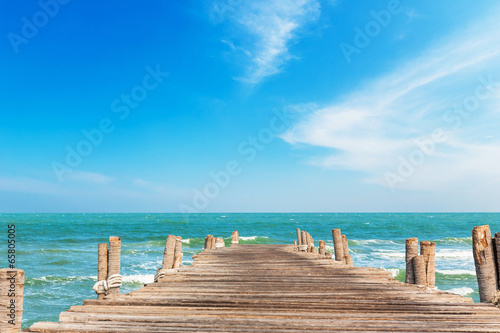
x: 268, y: 28
x: 373, y: 128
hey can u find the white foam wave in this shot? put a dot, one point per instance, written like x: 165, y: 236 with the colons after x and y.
x: 463, y: 291
x: 456, y: 271
x: 394, y: 271
x: 139, y: 278
x: 457, y: 254
x: 373, y: 241
x: 185, y: 241
x: 251, y: 237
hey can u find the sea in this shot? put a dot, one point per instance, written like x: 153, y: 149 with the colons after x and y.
x: 58, y: 252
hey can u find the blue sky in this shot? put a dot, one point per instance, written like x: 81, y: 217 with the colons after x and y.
x: 249, y: 106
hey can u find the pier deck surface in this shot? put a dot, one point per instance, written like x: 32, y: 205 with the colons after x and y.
x: 271, y: 288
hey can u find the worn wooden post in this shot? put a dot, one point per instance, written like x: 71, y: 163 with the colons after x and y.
x: 219, y: 243
x: 411, y: 252
x: 338, y: 246
x: 235, y: 239
x: 304, y: 237
x: 419, y: 270
x: 178, y: 253
x: 299, y: 239
x: 169, y: 252
x: 11, y: 300
x: 484, y: 261
x: 345, y: 246
x: 497, y: 257
x: 310, y: 243
x: 428, y: 250
x: 207, y: 242
x: 102, y: 264
x: 322, y: 247
x: 114, y: 261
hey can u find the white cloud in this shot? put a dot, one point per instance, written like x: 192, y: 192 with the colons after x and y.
x: 268, y: 27
x: 375, y: 126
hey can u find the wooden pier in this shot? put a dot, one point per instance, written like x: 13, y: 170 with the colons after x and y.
x: 273, y: 288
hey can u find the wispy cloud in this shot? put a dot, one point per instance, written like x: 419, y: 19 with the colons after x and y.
x: 268, y: 27
x: 371, y: 129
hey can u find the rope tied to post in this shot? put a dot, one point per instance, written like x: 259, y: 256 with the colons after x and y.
x: 104, y: 286
x: 161, y: 273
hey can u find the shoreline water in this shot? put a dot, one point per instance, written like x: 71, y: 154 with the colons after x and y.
x: 59, y: 251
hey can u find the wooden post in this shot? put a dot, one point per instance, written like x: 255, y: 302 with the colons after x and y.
x: 178, y: 253
x: 212, y: 242
x: 322, y: 248
x: 484, y: 261
x: 299, y: 239
x: 345, y: 246
x: 304, y: 237
x: 102, y: 264
x: 11, y: 306
x: 411, y: 252
x: 310, y: 243
x: 219, y: 243
x: 497, y: 257
x: 338, y: 246
x: 428, y: 250
x: 419, y: 270
x: 348, y: 260
x: 207, y: 242
x: 235, y: 239
x: 114, y: 261
x: 169, y: 252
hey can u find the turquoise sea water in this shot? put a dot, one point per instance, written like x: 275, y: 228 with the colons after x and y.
x: 58, y: 252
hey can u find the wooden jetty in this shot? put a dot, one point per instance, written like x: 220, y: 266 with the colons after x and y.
x: 274, y: 288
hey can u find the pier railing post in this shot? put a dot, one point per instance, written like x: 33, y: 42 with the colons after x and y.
x: 219, y: 243
x: 345, y: 251
x: 299, y: 239
x: 484, y: 261
x: 337, y: 244
x: 235, y: 239
x: 428, y: 250
x: 411, y: 252
x: 102, y: 264
x: 322, y: 248
x: 177, y: 253
x: 11, y: 300
x: 169, y: 252
x: 114, y: 261
x: 419, y: 270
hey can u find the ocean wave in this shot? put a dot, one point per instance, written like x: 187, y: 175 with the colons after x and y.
x: 139, y: 278
x: 455, y: 240
x: 456, y: 272
x: 394, y: 271
x: 456, y: 254
x: 372, y: 241
x: 251, y: 237
x: 463, y: 291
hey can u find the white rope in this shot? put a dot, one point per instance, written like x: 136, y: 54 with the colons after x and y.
x: 161, y: 273
x: 219, y: 245
x: 234, y: 242
x: 103, y: 286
